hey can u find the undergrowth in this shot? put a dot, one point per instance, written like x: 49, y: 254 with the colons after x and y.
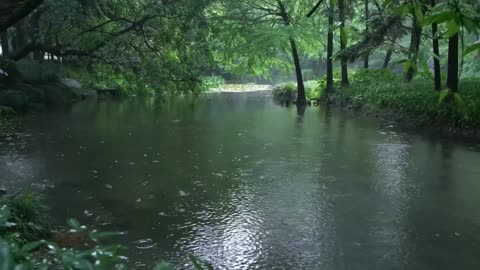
x: 385, y: 90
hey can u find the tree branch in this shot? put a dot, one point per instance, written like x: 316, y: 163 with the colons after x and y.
x: 11, y: 11
x: 314, y: 9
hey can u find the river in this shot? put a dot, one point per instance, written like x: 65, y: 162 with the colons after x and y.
x: 245, y: 184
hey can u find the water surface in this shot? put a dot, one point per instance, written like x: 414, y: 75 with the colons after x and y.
x: 246, y: 184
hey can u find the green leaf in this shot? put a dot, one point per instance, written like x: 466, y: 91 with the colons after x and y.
x: 75, y: 225
x: 438, y: 17
x: 471, y: 49
x: 452, y: 28
x: 31, y: 246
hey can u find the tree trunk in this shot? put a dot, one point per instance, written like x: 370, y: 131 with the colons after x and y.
x: 301, y: 99
x: 5, y: 44
x: 35, y: 35
x: 415, y: 40
x: 343, y: 42
x: 329, y: 88
x: 367, y: 17
x: 20, y: 34
x: 388, y: 57
x: 452, y: 75
x: 436, y: 55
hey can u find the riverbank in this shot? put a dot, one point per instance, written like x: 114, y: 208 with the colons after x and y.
x: 241, y: 88
x: 29, y: 86
x: 384, y: 95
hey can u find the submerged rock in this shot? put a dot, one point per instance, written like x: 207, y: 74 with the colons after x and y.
x: 71, y: 83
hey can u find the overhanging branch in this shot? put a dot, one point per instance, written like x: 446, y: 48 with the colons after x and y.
x: 314, y: 9
x: 11, y: 11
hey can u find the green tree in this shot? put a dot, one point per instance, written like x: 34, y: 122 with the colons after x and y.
x: 160, y: 44
x: 367, y: 18
x: 343, y: 41
x: 436, y: 54
x: 457, y: 16
x: 256, y: 36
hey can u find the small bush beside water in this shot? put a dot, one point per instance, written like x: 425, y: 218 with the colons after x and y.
x: 285, y: 92
x: 212, y: 82
x: 24, y: 217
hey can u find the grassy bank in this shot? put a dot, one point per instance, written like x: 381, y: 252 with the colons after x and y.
x: 381, y: 90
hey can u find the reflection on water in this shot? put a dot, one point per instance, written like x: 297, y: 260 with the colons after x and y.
x: 245, y: 184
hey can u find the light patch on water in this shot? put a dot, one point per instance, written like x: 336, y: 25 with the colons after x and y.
x: 145, y: 244
x: 182, y: 193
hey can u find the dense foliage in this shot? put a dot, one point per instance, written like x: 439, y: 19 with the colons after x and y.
x: 171, y: 46
x: 151, y: 44
x: 415, y: 98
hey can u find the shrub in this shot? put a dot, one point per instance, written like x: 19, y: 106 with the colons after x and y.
x: 23, y: 217
x: 322, y: 83
x: 383, y: 89
x: 285, y: 92
x: 369, y: 76
x: 212, y: 82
